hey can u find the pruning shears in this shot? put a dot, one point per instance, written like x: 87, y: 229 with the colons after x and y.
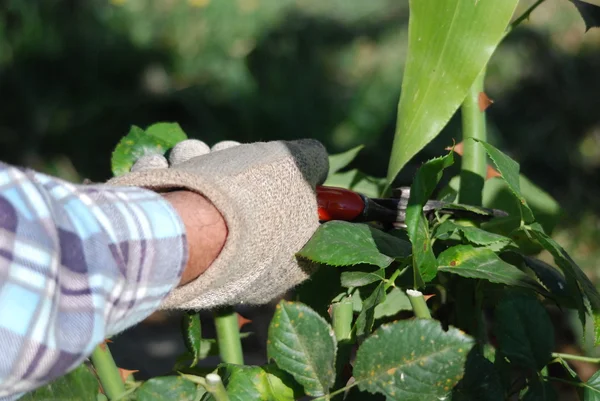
x: 344, y: 204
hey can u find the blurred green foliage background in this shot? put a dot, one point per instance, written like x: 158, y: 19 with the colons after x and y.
x: 74, y: 75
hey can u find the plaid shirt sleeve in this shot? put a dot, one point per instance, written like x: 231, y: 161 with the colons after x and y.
x: 77, y: 264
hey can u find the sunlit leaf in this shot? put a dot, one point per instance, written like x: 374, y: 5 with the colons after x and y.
x: 450, y: 42
x: 340, y: 243
x: 192, y: 334
x: 156, y: 139
x: 412, y: 360
x: 167, y: 388
x: 303, y: 344
x: 395, y: 301
x: 342, y: 160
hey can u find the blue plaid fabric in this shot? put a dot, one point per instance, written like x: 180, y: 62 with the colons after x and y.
x: 77, y: 264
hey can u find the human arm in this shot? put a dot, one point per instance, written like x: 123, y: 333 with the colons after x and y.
x: 81, y: 263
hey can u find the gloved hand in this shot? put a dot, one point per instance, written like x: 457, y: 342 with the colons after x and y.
x: 266, y: 194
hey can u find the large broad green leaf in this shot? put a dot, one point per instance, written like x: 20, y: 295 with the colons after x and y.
x: 266, y: 383
x: 412, y: 360
x: 450, y: 42
x: 167, y: 388
x: 524, y: 331
x: 473, y: 235
x: 156, y: 139
x: 592, y: 388
x: 303, y: 344
x: 417, y: 226
x: 340, y: 243
x: 468, y: 261
x: 78, y: 385
x: 509, y: 169
x: 341, y: 160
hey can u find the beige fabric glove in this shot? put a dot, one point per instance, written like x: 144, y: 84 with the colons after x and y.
x: 266, y: 194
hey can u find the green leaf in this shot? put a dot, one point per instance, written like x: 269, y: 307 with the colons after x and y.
x: 360, y: 279
x: 551, y: 278
x: 303, y: 344
x: 395, y: 301
x: 468, y: 261
x: 366, y: 317
x: 167, y: 388
x: 340, y: 243
x: 450, y: 42
x: 156, y: 139
x: 342, y: 160
x: 357, y: 181
x: 412, y: 360
x: 509, y: 169
x: 78, y: 385
x: 474, y: 235
x: 258, y: 383
x: 481, y: 381
x: 540, y: 391
x: 578, y: 284
x: 427, y: 178
x: 192, y: 330
x: 592, y: 388
x: 524, y: 331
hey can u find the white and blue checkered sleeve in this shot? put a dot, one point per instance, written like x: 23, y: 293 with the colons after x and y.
x: 77, y: 264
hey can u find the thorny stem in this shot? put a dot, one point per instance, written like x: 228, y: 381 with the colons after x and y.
x: 108, y: 372
x: 474, y: 165
x: 391, y: 282
x: 228, y: 336
x: 418, y: 304
x: 575, y: 357
x: 523, y: 17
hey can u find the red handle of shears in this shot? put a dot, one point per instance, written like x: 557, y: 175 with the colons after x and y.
x: 339, y: 204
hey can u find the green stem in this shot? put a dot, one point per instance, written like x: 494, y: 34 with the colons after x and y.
x: 342, y: 315
x: 523, y: 16
x: 228, y: 336
x: 474, y: 164
x: 391, y: 282
x: 575, y: 357
x: 215, y: 386
x: 336, y: 392
x: 418, y: 304
x: 108, y: 372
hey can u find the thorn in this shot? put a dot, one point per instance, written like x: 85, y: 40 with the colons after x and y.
x: 125, y: 373
x: 484, y: 101
x: 242, y: 321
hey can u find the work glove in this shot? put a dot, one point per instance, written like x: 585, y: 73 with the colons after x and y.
x: 265, y: 191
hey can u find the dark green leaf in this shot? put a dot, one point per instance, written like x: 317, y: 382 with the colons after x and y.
x: 481, y: 382
x: 412, y: 360
x: 156, y: 139
x: 78, y: 385
x: 509, y: 169
x: 320, y: 288
x: 468, y: 261
x: 540, y: 391
x: 550, y: 277
x: 524, y: 331
x: 395, y: 301
x: 342, y: 160
x: 357, y: 181
x: 578, y: 284
x: 450, y: 42
x: 592, y: 388
x: 473, y: 235
x: 303, y: 344
x: 192, y: 330
x: 366, y: 317
x: 359, y: 279
x: 589, y: 12
x: 340, y: 243
x: 167, y: 388
x: 258, y: 383
x: 425, y: 182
